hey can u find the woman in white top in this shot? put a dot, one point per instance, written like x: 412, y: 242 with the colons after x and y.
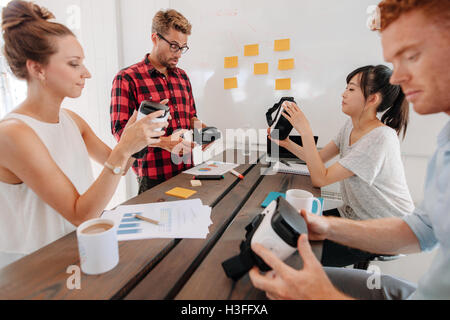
x: 370, y: 168
x: 46, y: 182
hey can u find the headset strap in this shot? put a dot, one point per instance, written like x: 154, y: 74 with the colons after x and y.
x: 269, y: 118
x: 276, y: 106
x: 239, y: 265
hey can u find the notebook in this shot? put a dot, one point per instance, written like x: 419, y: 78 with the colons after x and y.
x: 294, y: 168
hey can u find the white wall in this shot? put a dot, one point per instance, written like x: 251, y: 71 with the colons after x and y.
x: 136, y: 28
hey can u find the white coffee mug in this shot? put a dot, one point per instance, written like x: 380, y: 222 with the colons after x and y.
x: 98, y: 246
x: 301, y: 199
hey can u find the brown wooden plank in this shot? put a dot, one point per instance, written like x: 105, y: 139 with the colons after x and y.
x: 209, y: 280
x: 169, y: 275
x: 42, y: 275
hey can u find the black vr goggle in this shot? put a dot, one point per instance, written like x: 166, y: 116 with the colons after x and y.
x: 279, y: 122
x: 277, y: 228
x: 206, y: 135
x: 145, y: 109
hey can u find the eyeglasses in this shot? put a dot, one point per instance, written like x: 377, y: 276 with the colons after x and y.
x: 174, y: 47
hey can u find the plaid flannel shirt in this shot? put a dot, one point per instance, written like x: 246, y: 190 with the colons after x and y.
x: 141, y: 82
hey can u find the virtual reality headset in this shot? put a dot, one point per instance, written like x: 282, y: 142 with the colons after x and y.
x: 206, y: 135
x: 145, y: 109
x: 277, y: 228
x: 203, y: 136
x: 279, y: 124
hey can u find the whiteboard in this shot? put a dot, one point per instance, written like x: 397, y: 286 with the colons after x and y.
x: 328, y: 38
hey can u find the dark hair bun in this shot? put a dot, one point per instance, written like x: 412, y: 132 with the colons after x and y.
x: 18, y: 12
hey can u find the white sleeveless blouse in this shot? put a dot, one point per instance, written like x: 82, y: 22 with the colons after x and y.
x: 27, y: 223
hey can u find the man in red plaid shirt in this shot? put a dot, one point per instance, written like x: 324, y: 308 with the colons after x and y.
x: 157, y: 78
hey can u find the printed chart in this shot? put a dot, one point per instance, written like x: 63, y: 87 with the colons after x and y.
x: 176, y: 219
x: 131, y: 225
x: 211, y: 168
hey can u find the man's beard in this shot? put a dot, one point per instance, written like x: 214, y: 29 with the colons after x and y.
x: 165, y: 63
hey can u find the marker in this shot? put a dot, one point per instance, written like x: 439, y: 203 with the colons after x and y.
x: 209, y: 177
x: 237, y: 174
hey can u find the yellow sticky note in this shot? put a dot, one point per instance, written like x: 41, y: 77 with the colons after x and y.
x: 261, y: 68
x: 283, y: 84
x: 230, y: 83
x: 180, y: 192
x: 282, y: 45
x: 251, y: 50
x: 285, y: 64
x: 230, y: 62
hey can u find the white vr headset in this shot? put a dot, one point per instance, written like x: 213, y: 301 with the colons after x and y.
x: 277, y: 228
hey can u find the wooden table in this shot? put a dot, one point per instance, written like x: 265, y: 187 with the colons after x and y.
x: 162, y: 268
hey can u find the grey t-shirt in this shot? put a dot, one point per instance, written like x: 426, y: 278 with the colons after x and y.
x: 378, y: 189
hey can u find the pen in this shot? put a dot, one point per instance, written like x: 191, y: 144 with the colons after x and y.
x: 237, y: 174
x: 146, y: 219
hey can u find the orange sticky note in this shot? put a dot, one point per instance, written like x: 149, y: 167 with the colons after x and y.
x: 261, y: 68
x: 180, y: 192
x: 251, y: 50
x: 286, y: 64
x: 283, y: 84
x: 230, y: 62
x: 282, y: 45
x: 230, y: 83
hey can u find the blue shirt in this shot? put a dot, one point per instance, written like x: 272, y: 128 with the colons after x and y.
x: 431, y: 222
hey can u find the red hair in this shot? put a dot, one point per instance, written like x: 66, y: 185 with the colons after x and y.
x: 391, y: 10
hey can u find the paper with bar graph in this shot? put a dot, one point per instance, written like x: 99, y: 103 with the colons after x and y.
x: 177, y: 219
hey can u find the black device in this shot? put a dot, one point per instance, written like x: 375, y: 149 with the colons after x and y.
x: 145, y: 109
x: 206, y: 135
x: 278, y: 228
x: 279, y: 125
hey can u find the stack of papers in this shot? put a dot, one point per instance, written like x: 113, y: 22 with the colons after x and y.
x: 177, y: 219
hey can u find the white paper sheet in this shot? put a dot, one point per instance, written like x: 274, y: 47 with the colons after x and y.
x: 177, y: 219
x: 211, y: 168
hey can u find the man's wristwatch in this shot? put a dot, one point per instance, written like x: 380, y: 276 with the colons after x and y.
x: 115, y: 170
